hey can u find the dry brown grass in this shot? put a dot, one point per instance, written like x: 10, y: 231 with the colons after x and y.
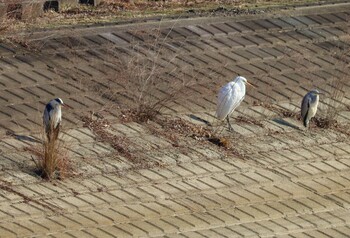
x: 4, y: 25
x: 175, y: 128
x: 98, y: 127
x: 51, y: 159
x: 119, y: 10
x: 124, y: 146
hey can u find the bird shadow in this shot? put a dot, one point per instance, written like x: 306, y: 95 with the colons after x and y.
x: 285, y: 123
x: 24, y: 138
x: 194, y: 117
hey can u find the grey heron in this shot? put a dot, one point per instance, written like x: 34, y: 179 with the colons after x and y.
x: 309, y: 106
x: 230, y: 97
x: 52, y: 118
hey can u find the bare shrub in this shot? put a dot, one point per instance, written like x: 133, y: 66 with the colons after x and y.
x: 334, y: 99
x: 149, y: 76
x: 332, y: 103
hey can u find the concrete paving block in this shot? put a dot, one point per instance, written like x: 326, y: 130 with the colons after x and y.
x: 7, y: 232
x: 293, y: 182
x: 48, y: 224
x: 97, y: 232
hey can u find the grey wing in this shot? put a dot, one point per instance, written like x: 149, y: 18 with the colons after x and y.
x: 305, y: 104
x: 46, y: 119
x: 55, y: 117
x: 229, y: 99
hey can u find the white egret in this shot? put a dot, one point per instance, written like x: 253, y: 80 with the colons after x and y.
x: 229, y: 98
x: 309, y: 106
x: 52, y: 118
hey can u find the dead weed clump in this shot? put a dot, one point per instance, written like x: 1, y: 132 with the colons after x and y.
x: 173, y: 128
x: 140, y: 114
x: 324, y: 122
x: 184, y: 128
x: 98, y: 127
x: 250, y: 120
x: 51, y: 160
x: 120, y: 143
x: 228, y: 147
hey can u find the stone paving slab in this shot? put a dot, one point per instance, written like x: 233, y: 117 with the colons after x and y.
x: 273, y: 178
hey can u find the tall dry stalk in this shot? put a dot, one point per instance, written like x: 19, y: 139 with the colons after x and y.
x: 148, y: 74
x: 51, y: 159
x: 334, y: 101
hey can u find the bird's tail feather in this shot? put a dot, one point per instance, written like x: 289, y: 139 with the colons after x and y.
x: 305, y: 120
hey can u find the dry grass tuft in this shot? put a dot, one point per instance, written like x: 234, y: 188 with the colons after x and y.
x: 51, y: 160
x: 185, y: 128
x: 140, y: 114
x: 179, y: 125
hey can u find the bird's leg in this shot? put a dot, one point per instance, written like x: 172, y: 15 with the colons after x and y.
x: 229, y: 124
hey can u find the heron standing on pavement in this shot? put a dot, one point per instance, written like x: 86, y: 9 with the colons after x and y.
x: 229, y: 98
x: 52, y: 118
x: 309, y: 106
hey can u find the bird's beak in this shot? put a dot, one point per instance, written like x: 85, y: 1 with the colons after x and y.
x: 251, y: 85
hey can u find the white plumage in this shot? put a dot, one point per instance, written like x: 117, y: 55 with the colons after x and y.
x: 230, y: 97
x: 309, y: 106
x: 52, y: 118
